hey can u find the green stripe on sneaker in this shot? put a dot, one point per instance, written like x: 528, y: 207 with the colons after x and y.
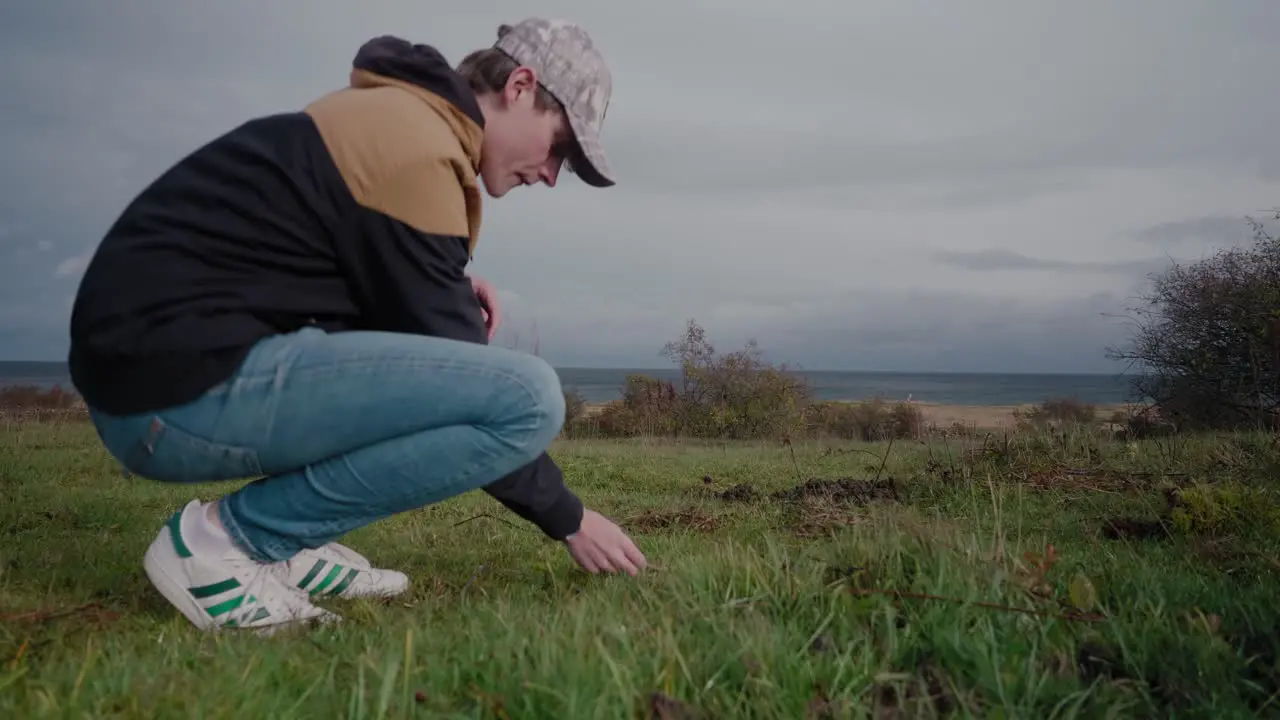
x: 311, y: 574
x: 261, y: 614
x: 226, y: 606
x: 337, y: 589
x: 205, y: 591
x: 175, y: 534
x: 327, y: 579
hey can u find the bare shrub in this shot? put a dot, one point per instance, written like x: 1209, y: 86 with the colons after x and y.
x: 1206, y: 346
x: 649, y: 406
x: 868, y: 421
x: 29, y: 397
x: 28, y: 402
x: 1062, y: 411
x: 735, y: 395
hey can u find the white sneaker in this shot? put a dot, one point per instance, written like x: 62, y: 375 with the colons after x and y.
x: 230, y: 591
x: 333, y: 570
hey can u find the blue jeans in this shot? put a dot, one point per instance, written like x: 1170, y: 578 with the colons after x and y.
x: 348, y: 428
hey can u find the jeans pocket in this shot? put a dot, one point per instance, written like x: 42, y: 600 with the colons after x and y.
x: 169, y: 453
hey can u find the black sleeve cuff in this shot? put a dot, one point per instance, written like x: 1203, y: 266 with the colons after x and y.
x: 537, y: 493
x: 563, y: 518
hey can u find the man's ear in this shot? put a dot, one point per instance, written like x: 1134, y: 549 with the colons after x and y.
x: 523, y: 80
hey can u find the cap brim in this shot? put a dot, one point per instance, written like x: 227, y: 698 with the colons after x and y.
x: 590, y: 164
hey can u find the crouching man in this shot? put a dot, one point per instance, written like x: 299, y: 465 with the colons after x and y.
x: 290, y: 303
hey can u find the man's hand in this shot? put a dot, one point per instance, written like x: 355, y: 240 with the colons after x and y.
x: 601, y: 546
x: 489, y: 305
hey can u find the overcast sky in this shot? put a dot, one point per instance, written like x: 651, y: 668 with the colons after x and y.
x: 886, y: 184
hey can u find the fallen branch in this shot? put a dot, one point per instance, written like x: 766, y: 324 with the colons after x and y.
x: 47, y: 615
x: 1079, y: 617
x: 491, y: 517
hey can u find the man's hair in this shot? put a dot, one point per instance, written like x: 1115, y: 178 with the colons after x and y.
x: 487, y: 70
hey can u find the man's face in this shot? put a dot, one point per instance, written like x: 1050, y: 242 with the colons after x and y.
x: 522, y: 144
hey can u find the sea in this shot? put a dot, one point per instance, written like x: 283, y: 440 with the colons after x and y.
x: 598, y: 385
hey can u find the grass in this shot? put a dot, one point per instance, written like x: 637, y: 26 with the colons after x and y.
x: 1152, y: 567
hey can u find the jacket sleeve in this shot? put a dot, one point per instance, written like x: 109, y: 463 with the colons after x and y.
x: 537, y: 493
x: 411, y: 280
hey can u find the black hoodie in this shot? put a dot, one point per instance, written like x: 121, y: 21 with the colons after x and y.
x: 297, y: 219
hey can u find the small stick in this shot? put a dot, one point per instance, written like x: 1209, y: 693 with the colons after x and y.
x: 46, y: 615
x: 885, y: 460
x: 491, y: 517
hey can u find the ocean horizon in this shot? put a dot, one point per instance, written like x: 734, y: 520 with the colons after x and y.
x: 599, y: 385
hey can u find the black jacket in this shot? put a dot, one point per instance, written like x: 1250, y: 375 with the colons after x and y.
x: 296, y: 219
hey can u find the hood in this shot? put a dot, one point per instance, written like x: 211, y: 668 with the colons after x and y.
x: 423, y: 71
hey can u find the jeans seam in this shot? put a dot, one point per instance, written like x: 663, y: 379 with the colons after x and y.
x: 414, y: 364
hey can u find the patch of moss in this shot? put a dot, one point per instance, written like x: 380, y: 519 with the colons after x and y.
x: 1230, y: 507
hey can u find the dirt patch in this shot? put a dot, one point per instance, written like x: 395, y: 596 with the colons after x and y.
x: 845, y: 491
x: 818, y: 520
x: 821, y: 507
x: 1127, y: 528
x: 1096, y: 479
x: 1096, y: 659
x: 665, y: 707
x: 742, y: 492
x: 821, y: 706
x: 837, y: 491
x: 688, y: 519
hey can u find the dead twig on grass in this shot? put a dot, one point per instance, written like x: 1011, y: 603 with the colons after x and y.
x: 41, y: 616
x: 491, y: 517
x: 885, y: 460
x: 899, y: 594
x: 1128, y: 473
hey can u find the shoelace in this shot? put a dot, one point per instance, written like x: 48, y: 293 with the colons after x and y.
x: 268, y: 579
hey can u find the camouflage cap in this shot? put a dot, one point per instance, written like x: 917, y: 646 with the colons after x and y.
x: 571, y: 68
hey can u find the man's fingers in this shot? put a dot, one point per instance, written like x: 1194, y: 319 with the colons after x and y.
x: 602, y: 546
x: 633, y: 554
x: 587, y: 562
x: 620, y: 561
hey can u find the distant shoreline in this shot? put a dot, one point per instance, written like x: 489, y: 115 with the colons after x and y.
x: 990, y: 417
x: 599, y: 385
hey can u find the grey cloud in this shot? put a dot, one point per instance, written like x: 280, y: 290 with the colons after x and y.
x: 811, y: 174
x: 997, y: 259
x: 925, y: 332
x: 1217, y: 230
x: 904, y: 331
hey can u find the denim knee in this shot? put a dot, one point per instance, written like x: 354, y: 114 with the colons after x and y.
x: 544, y: 398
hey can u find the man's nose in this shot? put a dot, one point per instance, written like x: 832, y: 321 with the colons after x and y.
x: 551, y: 171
